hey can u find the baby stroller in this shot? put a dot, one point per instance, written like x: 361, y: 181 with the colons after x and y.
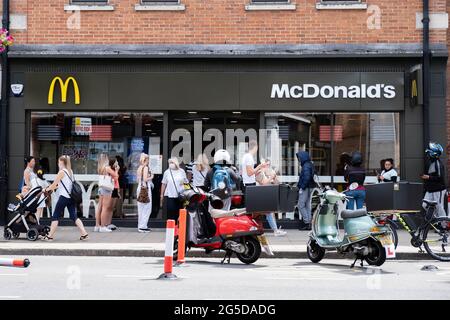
x: 23, y: 216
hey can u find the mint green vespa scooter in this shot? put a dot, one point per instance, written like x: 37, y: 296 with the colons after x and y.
x: 362, y: 237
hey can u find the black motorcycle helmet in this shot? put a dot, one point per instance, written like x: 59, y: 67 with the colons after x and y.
x: 356, y: 158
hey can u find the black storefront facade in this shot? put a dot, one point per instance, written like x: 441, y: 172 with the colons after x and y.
x: 149, y: 100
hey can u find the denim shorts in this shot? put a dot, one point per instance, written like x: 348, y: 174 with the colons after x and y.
x: 104, y: 192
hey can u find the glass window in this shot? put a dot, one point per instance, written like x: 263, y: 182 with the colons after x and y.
x: 85, y: 135
x: 300, y: 131
x: 331, y: 138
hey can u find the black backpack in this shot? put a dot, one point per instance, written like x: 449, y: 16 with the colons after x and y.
x: 76, y: 194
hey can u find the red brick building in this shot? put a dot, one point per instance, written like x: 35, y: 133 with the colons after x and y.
x: 147, y: 69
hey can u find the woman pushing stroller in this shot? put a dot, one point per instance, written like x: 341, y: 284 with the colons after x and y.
x: 63, y: 182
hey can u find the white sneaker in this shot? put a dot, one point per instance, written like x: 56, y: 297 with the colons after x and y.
x: 111, y: 227
x: 279, y: 233
x: 96, y: 229
x: 104, y: 229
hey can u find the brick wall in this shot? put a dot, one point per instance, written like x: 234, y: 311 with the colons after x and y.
x: 223, y: 21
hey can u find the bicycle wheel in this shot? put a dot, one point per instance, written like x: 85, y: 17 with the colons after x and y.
x: 436, y: 237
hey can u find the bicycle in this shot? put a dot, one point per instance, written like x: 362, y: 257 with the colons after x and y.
x: 425, y: 228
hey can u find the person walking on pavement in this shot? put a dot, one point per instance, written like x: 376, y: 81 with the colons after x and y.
x: 63, y: 182
x: 268, y: 176
x: 29, y: 176
x: 434, y: 177
x: 305, y: 186
x: 144, y: 201
x: 355, y: 174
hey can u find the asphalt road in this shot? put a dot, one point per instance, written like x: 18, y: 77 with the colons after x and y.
x: 61, y: 277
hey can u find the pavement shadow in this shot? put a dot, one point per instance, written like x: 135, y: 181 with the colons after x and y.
x: 345, y: 268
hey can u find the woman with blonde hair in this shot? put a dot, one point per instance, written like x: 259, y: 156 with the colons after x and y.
x: 144, y: 193
x: 63, y: 182
x: 171, y: 185
x: 200, y: 170
x: 106, y: 186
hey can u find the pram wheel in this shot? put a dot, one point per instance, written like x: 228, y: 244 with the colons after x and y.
x: 16, y: 235
x: 7, y: 234
x: 32, y: 234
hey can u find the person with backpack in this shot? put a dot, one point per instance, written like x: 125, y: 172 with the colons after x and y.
x: 355, y: 174
x: 221, y: 178
x: 68, y: 197
x: 434, y: 178
x: 305, y: 186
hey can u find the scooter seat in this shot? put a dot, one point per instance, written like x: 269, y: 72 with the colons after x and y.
x: 348, y: 214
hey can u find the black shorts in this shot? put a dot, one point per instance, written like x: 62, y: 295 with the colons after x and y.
x: 115, y: 193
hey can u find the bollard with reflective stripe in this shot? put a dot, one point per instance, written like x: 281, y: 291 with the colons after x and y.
x: 181, y: 236
x: 20, y: 263
x: 168, y: 256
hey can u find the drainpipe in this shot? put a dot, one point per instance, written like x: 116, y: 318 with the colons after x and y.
x: 4, y: 118
x: 426, y: 72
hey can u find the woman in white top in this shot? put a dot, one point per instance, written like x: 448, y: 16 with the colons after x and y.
x: 63, y: 182
x: 200, y: 170
x: 172, y: 184
x: 389, y: 174
x: 103, y: 215
x: 144, y: 177
x: 29, y: 176
x: 40, y: 180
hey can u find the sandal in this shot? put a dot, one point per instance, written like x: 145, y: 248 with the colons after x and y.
x: 85, y: 237
x: 47, y: 238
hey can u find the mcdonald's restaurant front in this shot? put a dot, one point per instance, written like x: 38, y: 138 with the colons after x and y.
x: 83, y: 107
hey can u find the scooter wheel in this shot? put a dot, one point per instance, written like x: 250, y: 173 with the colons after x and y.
x: 314, y: 251
x: 377, y: 255
x: 252, y: 252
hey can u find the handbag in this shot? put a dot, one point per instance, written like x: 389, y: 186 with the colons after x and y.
x: 143, y: 193
x: 105, y: 182
x: 180, y: 194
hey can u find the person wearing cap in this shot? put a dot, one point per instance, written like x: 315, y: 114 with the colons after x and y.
x: 434, y: 177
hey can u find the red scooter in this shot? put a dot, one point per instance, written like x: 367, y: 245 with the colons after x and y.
x: 236, y: 230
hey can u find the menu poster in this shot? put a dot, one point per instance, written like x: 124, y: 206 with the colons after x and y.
x: 156, y: 164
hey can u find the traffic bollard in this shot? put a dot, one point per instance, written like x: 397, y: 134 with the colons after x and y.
x: 168, y: 256
x: 181, y: 236
x: 20, y: 263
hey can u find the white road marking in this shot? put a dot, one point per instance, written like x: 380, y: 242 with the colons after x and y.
x: 14, y: 274
x: 9, y: 297
x: 127, y: 276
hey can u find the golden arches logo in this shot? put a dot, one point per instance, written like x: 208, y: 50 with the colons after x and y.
x: 414, y: 92
x: 64, y: 86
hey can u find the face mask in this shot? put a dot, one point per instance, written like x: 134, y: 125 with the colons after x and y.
x: 172, y: 166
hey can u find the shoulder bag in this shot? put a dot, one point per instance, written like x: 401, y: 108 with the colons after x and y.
x: 143, y: 193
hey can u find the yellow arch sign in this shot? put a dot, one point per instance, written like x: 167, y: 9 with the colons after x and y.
x: 64, y: 86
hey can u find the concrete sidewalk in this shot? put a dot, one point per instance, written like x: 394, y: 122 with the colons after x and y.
x: 128, y: 242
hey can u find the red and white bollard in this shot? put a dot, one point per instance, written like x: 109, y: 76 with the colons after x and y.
x: 19, y: 263
x: 168, y: 256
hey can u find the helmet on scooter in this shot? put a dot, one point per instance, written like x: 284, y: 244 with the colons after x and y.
x: 222, y: 156
x: 434, y: 150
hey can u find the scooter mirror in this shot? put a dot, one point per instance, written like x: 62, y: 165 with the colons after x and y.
x: 216, y: 202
